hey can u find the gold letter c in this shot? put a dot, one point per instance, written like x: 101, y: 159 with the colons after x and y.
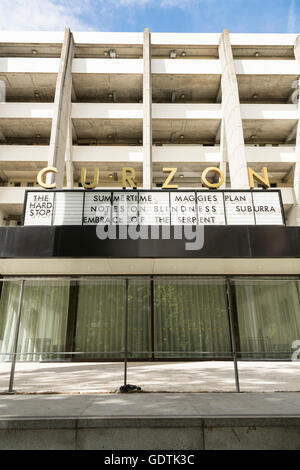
x: 42, y: 173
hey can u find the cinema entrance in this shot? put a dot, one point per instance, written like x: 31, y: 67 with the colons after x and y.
x: 149, y: 317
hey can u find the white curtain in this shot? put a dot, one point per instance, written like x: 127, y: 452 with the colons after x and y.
x: 44, y: 316
x: 100, y: 326
x: 139, y: 318
x: 9, y: 303
x: 268, y: 316
x: 191, y: 317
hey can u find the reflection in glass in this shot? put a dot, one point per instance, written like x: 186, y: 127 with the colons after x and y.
x: 268, y: 316
x: 191, y: 317
x: 43, y: 324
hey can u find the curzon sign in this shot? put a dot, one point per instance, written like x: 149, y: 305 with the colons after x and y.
x: 128, y: 178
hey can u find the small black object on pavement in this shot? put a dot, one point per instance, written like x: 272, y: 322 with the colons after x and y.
x: 129, y: 388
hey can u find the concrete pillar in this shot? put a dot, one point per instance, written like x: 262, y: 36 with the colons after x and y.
x: 62, y: 112
x: 2, y: 217
x: 2, y: 91
x: 223, y: 152
x: 2, y: 136
x: 231, y: 113
x: 3, y: 177
x: 2, y: 100
x: 69, y: 162
x: 294, y: 214
x: 147, y: 107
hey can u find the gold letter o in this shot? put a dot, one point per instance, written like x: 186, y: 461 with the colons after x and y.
x: 207, y: 183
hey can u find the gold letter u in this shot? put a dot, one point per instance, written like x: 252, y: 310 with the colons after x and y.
x: 83, y: 178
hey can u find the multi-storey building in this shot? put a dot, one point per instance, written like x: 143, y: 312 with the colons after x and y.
x: 149, y: 101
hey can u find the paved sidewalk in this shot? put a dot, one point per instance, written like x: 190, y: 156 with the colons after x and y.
x: 153, y: 421
x: 107, y: 377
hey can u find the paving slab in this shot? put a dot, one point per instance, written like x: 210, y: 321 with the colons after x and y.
x: 134, y: 405
x: 107, y: 377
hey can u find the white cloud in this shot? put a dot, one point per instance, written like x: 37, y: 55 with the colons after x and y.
x: 79, y: 15
x: 43, y: 14
x: 183, y: 4
x: 176, y: 3
x: 136, y: 3
x: 54, y: 15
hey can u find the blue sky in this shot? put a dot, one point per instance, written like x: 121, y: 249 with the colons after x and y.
x: 256, y: 16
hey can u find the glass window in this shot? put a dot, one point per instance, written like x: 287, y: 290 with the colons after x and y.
x: 100, y: 327
x: 268, y: 316
x: 191, y: 317
x: 100, y: 323
x: 9, y: 303
x: 168, y: 317
x: 44, y: 314
x: 139, y: 318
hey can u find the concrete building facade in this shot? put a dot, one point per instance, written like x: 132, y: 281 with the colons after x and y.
x: 79, y: 101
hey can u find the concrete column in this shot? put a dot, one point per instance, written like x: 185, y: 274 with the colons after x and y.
x: 2, y: 100
x: 69, y: 162
x: 62, y: 111
x: 2, y: 216
x: 231, y: 112
x: 3, y: 176
x: 2, y: 92
x: 147, y: 107
x: 294, y: 214
x: 223, y: 153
